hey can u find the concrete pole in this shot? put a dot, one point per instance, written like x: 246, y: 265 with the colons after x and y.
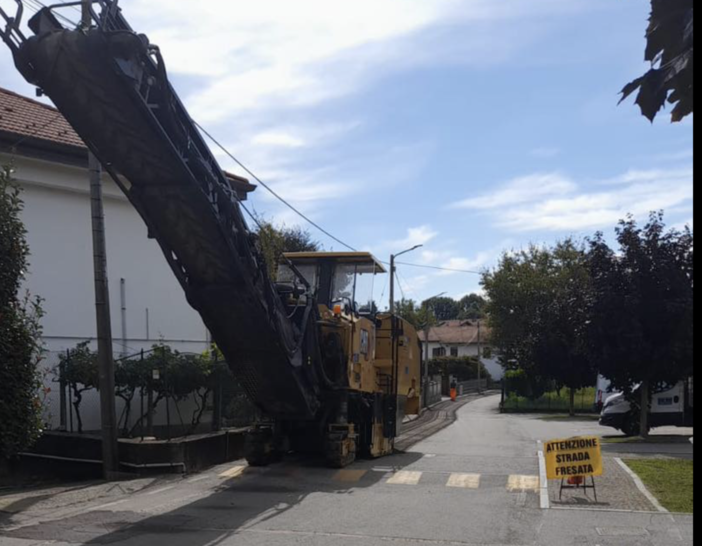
x: 392, y: 284
x: 108, y: 413
x: 123, y: 313
x: 480, y: 360
x: 427, y: 329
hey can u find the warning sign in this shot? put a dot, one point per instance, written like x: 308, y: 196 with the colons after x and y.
x: 573, y: 457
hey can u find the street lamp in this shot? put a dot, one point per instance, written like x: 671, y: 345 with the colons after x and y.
x: 393, y: 320
x: 427, y: 328
x: 392, y: 275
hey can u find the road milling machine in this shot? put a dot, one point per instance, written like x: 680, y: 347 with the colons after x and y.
x: 329, y: 374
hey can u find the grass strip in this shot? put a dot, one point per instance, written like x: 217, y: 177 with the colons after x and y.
x: 670, y: 481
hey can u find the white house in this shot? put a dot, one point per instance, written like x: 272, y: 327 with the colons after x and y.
x: 462, y: 338
x: 147, y: 303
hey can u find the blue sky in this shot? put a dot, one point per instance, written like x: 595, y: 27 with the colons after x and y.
x: 469, y: 126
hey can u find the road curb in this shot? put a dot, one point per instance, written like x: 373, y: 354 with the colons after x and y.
x: 544, y: 499
x: 653, y: 500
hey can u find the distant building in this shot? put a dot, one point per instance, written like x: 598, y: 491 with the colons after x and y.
x: 147, y: 303
x: 461, y: 338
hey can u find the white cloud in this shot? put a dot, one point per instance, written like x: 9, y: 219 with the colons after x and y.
x: 556, y: 203
x: 521, y: 190
x: 273, y: 54
x: 272, y: 138
x: 420, y: 235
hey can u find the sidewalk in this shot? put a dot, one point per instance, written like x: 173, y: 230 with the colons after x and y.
x: 616, y: 490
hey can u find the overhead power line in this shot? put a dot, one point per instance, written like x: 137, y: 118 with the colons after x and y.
x: 272, y: 192
x: 437, y: 268
x: 397, y: 276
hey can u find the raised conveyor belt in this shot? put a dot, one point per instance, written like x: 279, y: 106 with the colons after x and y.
x: 113, y: 89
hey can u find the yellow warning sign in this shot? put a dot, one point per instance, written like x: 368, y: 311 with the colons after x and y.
x: 573, y: 457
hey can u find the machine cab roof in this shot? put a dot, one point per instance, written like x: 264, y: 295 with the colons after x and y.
x: 346, y: 278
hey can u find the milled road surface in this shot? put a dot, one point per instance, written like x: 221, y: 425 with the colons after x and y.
x: 472, y: 484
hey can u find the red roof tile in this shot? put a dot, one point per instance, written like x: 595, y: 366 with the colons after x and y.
x: 26, y: 119
x: 29, y: 118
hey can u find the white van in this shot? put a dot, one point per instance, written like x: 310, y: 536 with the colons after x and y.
x: 670, y: 406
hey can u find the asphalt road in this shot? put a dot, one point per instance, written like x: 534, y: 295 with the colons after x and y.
x: 472, y: 484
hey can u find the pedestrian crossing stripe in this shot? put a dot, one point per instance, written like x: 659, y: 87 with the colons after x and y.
x: 405, y: 477
x: 465, y: 481
x: 233, y: 472
x: 349, y: 476
x: 523, y: 483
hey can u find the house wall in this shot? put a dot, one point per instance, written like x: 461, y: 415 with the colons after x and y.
x: 58, y: 220
x: 491, y: 364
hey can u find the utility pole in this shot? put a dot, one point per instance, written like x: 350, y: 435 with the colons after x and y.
x: 108, y: 414
x: 480, y: 360
x: 427, y: 331
x: 392, y: 284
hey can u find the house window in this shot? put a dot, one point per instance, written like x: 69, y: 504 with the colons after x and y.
x: 438, y: 351
x: 454, y: 351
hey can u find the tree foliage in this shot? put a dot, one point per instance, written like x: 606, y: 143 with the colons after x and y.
x: 641, y: 316
x: 444, y: 308
x: 435, y: 310
x: 78, y: 369
x: 472, y: 307
x: 538, y: 314
x: 670, y: 50
x: 181, y: 376
x: 274, y: 241
x: 20, y: 331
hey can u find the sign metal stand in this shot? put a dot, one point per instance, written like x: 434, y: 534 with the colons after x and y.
x: 578, y: 485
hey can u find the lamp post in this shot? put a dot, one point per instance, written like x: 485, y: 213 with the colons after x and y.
x: 392, y: 275
x: 427, y: 328
x: 393, y: 327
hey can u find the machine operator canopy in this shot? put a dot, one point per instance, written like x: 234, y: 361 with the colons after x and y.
x: 336, y: 277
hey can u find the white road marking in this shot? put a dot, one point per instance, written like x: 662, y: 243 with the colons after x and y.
x: 405, y: 477
x: 523, y: 483
x: 161, y: 490
x: 198, y: 479
x: 544, y: 499
x: 107, y: 505
x: 465, y: 481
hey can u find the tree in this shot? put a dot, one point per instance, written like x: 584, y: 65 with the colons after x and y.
x: 641, y: 314
x: 78, y: 369
x: 131, y: 374
x: 537, y: 312
x: 21, y: 348
x: 516, y: 291
x: 274, y: 241
x: 670, y: 51
x: 560, y: 347
x: 407, y: 309
x: 444, y: 308
x: 472, y: 306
